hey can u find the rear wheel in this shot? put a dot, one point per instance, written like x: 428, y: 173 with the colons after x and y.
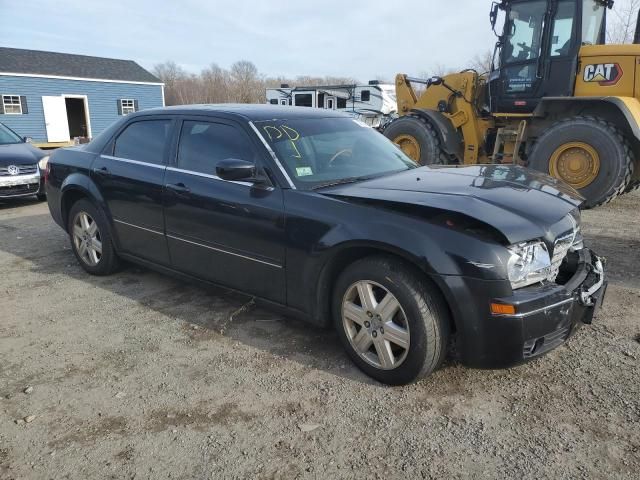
x: 417, y: 139
x: 587, y: 153
x: 394, y: 326
x: 91, y: 239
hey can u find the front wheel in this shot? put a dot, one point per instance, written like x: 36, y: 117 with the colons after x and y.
x: 393, y: 324
x: 587, y: 153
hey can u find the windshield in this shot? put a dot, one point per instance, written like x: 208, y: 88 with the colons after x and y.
x: 7, y: 136
x: 326, y: 151
x: 592, y: 18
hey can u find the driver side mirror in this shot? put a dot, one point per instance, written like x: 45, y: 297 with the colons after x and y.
x: 234, y: 169
x: 27, y: 139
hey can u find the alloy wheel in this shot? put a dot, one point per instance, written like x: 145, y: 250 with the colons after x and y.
x: 376, y: 325
x: 87, y: 239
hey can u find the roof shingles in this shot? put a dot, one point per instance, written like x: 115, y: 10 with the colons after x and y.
x: 16, y: 60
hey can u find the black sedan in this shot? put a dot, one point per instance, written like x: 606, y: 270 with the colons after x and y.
x: 316, y: 214
x: 21, y: 166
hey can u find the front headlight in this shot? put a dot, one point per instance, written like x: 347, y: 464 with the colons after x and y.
x: 42, y: 164
x: 529, y: 263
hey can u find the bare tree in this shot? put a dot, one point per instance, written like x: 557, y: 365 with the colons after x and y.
x: 482, y: 62
x: 242, y: 83
x: 216, y: 83
x: 173, y: 77
x: 247, y: 84
x: 622, y: 21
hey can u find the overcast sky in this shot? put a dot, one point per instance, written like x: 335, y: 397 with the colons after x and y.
x: 351, y: 38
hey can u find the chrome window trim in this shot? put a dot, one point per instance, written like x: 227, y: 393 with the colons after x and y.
x: 138, y: 226
x: 273, y: 155
x: 538, y: 310
x: 213, y: 177
x: 135, y: 162
x: 224, y: 251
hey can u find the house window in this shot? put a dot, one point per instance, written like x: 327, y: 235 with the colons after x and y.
x: 128, y: 106
x: 273, y: 101
x: 365, y: 96
x: 12, y: 104
x: 342, y: 103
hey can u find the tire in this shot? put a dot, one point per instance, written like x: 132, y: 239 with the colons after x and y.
x: 107, y: 261
x: 421, y: 321
x: 633, y: 186
x: 612, y: 148
x: 423, y: 133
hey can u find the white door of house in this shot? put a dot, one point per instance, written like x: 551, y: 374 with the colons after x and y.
x: 55, y: 119
x: 330, y: 103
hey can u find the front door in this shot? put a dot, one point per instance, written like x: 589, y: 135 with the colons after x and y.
x: 130, y: 175
x: 55, y: 119
x: 231, y: 233
x: 515, y: 87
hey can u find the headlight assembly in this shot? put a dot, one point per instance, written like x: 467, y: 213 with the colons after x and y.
x: 42, y: 164
x: 529, y: 263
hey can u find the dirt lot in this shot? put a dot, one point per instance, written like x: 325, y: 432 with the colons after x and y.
x: 140, y: 376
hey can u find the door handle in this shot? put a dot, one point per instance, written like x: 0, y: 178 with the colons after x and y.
x: 178, y: 188
x: 104, y: 171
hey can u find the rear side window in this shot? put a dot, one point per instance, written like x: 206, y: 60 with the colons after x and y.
x: 204, y: 144
x: 143, y: 141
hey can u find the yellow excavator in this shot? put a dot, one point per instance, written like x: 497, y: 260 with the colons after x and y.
x: 558, y: 99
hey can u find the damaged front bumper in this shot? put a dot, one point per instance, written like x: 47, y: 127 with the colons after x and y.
x: 545, y: 316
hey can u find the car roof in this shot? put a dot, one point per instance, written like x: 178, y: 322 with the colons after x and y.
x: 249, y: 112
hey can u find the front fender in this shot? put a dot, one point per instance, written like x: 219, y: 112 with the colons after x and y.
x: 430, y: 253
x: 449, y: 137
x: 627, y: 107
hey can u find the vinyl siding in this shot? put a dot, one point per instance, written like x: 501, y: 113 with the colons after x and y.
x: 102, y: 99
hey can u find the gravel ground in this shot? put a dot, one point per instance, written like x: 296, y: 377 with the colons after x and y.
x: 140, y: 376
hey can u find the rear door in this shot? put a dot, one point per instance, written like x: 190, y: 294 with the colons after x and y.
x: 130, y: 175
x: 231, y: 233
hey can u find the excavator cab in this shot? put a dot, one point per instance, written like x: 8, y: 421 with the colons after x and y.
x: 538, y: 48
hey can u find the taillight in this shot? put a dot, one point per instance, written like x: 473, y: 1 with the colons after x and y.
x: 47, y: 171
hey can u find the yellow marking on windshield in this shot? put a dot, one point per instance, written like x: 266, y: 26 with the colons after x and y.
x: 292, y: 134
x: 268, y: 130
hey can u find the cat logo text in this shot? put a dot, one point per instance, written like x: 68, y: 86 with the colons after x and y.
x: 606, y: 74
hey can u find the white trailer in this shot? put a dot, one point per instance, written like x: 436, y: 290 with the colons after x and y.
x: 373, y: 104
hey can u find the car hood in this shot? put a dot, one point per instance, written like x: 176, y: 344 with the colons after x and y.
x: 19, y: 154
x: 520, y: 203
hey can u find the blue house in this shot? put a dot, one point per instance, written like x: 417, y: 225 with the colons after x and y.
x: 54, y: 98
